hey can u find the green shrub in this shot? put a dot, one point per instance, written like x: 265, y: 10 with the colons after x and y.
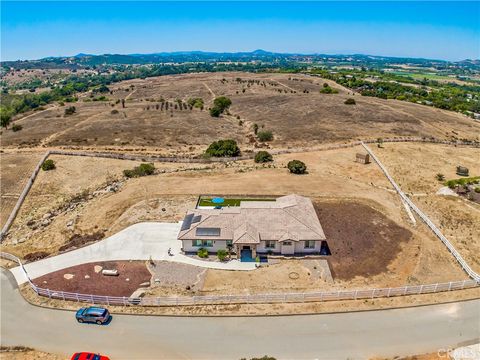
x: 263, y: 156
x: 16, y: 127
x: 70, y: 110
x: 477, y: 190
x: 222, y: 102
x: 202, y: 253
x: 297, y: 167
x: 350, y: 101
x: 195, y: 102
x: 255, y: 128
x: 222, y: 254
x: 265, y: 135
x: 451, y: 184
x: 223, y: 148
x: 143, y: 169
x: 215, y: 111
x: 328, y: 90
x: 440, y: 177
x: 48, y: 165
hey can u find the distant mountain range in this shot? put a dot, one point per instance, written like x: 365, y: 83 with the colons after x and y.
x: 88, y: 60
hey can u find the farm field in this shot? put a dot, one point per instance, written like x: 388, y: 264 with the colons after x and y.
x: 340, y: 187
x: 290, y: 106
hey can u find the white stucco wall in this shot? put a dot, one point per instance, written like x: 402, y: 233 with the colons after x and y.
x: 298, y: 245
x: 217, y: 245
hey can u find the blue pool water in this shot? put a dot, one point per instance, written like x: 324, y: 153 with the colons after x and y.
x: 218, y: 200
x: 246, y: 256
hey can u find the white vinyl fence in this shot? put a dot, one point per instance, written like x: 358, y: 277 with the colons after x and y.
x: 155, y: 158
x: 249, y: 299
x: 426, y: 220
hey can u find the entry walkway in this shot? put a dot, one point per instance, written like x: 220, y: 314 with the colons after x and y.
x: 141, y: 241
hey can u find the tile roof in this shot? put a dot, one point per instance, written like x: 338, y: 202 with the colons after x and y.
x: 290, y: 217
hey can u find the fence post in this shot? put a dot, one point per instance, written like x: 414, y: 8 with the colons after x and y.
x: 91, y: 297
x: 436, y: 286
x: 124, y: 301
x: 463, y: 284
x: 356, y: 292
x: 48, y: 293
x: 449, y: 286
x: 63, y: 296
x: 389, y: 290
x: 78, y: 299
x: 108, y: 300
x: 421, y: 289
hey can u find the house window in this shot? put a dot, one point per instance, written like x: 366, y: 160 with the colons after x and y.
x: 269, y: 244
x: 287, y: 243
x: 197, y: 243
x: 229, y: 243
x: 202, y: 243
x: 309, y: 244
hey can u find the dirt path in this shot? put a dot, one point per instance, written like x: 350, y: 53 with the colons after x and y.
x: 35, y: 113
x: 44, y: 142
x: 285, y: 86
x: 128, y: 96
x: 211, y: 91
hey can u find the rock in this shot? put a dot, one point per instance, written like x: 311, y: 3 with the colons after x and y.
x: 157, y: 281
x: 127, y: 279
x: 87, y: 277
x: 22, y: 240
x: 97, y: 268
x: 145, y: 284
x: 163, y: 209
x: 46, y: 222
x: 138, y: 293
x: 30, y: 223
x: 70, y: 223
x: 47, y: 216
x: 68, y: 276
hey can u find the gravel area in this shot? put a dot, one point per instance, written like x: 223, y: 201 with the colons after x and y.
x: 176, y: 276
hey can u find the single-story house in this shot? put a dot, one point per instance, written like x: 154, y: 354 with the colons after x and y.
x: 288, y: 226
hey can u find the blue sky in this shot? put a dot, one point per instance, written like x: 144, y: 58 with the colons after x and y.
x: 439, y: 30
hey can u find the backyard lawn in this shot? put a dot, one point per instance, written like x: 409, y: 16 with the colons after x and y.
x: 208, y: 201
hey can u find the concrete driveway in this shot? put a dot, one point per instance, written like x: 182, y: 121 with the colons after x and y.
x: 137, y: 242
x: 356, y: 335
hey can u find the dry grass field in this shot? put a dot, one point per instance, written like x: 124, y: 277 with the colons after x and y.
x: 333, y: 178
x: 15, y: 168
x: 27, y: 354
x: 414, y: 167
x: 288, y: 105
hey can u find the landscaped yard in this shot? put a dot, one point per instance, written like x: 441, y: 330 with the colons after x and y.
x: 208, y: 201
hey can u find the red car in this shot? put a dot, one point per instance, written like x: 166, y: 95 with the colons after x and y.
x: 88, y: 356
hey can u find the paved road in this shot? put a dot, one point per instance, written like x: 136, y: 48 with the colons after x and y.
x: 137, y: 242
x: 359, y: 335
